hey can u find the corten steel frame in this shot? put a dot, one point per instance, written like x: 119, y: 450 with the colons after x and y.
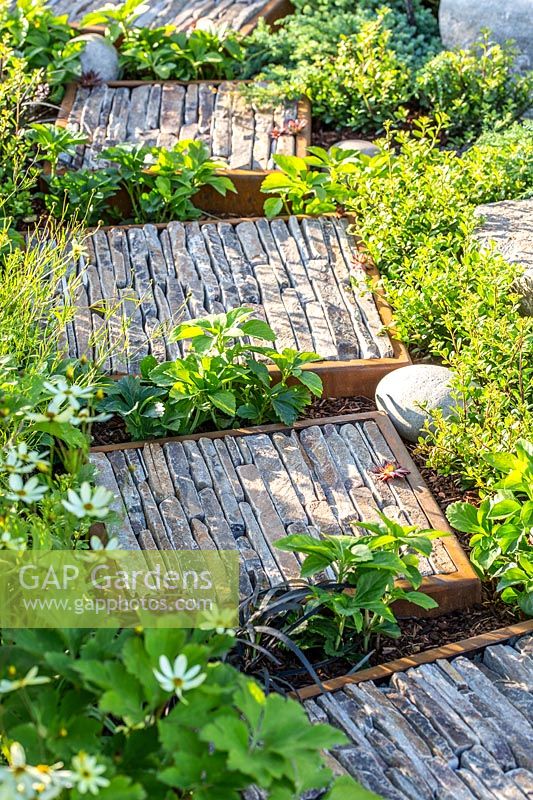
x: 354, y: 378
x: 384, y: 672
x: 271, y: 12
x: 457, y: 590
x: 248, y: 199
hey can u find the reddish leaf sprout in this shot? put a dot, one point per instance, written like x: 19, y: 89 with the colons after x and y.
x: 389, y: 470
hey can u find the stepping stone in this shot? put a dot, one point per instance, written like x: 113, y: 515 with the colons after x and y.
x: 440, y: 730
x: 243, y: 492
x: 237, y: 133
x: 183, y: 270
x: 238, y: 15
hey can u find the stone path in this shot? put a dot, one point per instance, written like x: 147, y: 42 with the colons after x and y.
x: 232, y: 14
x: 236, y: 132
x: 245, y: 492
x: 451, y: 730
x: 302, y: 276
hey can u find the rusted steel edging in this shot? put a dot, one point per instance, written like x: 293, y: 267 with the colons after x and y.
x: 248, y: 199
x: 383, y: 672
x: 456, y: 590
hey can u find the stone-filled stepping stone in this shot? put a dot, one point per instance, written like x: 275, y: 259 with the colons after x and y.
x: 446, y: 729
x: 152, y: 277
x: 245, y: 490
x: 239, y: 134
x: 238, y: 15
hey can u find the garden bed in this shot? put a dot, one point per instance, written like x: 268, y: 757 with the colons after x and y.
x: 306, y: 277
x: 243, y: 490
x: 240, y: 16
x: 156, y: 113
x: 437, y: 727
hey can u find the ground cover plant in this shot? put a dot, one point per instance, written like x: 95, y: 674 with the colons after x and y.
x: 502, y: 527
x: 155, y: 714
x: 159, y: 183
x: 218, y: 383
x: 342, y: 606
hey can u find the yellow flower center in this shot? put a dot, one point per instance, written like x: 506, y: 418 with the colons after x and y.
x: 178, y: 682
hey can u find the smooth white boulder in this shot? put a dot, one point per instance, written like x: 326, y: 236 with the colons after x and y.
x: 461, y: 23
x: 98, y: 57
x: 409, y: 393
x: 361, y: 145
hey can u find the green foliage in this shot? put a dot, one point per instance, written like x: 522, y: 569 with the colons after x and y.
x: 96, y: 696
x: 18, y: 175
x: 53, y: 141
x: 175, y: 55
x: 477, y: 89
x: 355, y: 63
x: 347, y: 613
x: 117, y: 20
x: 160, y: 183
x: 42, y: 39
x: 218, y: 383
x: 302, y: 190
x: 365, y: 83
x: 501, y: 528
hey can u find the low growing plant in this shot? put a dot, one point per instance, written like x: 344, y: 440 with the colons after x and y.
x: 169, y: 54
x: 154, y: 714
x: 218, y: 382
x: 346, y: 612
x: 501, y: 528
x: 478, y: 89
x: 159, y: 183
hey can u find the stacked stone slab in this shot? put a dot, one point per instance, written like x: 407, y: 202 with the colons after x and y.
x: 453, y: 730
x: 244, y: 492
x: 236, y: 132
x: 303, y: 276
x: 184, y: 14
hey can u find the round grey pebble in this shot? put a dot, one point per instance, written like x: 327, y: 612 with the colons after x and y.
x: 409, y: 393
x: 361, y: 145
x: 98, y: 57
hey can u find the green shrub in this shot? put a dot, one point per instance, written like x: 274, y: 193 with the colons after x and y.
x: 476, y: 88
x: 100, y: 703
x: 501, y: 528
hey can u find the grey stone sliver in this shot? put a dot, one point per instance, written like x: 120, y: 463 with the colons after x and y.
x: 245, y: 492
x: 235, y: 131
x: 135, y: 284
x: 449, y: 730
x: 184, y: 14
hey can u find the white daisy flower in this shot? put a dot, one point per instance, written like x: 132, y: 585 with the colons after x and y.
x: 51, y: 780
x: 21, y: 460
x: 64, y: 392
x: 18, y: 775
x: 30, y: 492
x: 88, y: 774
x: 30, y: 679
x: 52, y: 414
x: 176, y: 677
x: 7, y: 542
x: 90, y: 502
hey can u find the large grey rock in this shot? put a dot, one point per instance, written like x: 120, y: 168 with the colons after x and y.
x: 98, y: 57
x: 461, y: 22
x: 361, y: 145
x: 408, y: 394
x: 509, y: 225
